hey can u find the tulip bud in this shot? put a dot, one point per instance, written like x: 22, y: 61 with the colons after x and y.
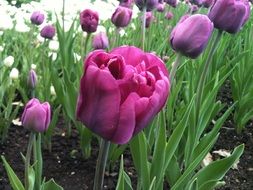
x: 121, y: 17
x: 197, y: 2
x: 169, y: 15
x: 160, y: 7
x: 8, y: 61
x: 191, y: 35
x: 32, y: 79
x: 149, y: 19
x: 229, y: 15
x: 48, y: 32
x: 126, y: 3
x: 89, y: 20
x: 14, y: 74
x: 36, y: 116
x: 37, y: 18
x: 172, y: 3
x: 207, y: 3
x: 100, y: 41
x: 149, y: 4
x: 193, y: 9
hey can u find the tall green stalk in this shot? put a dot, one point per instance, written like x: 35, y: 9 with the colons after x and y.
x: 28, y: 158
x: 143, y: 27
x: 101, y: 163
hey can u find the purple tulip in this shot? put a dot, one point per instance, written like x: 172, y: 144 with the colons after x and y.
x: 100, y: 41
x: 121, y: 17
x: 48, y: 32
x: 37, y: 18
x: 32, y: 79
x: 169, y: 15
x: 191, y: 35
x: 36, y: 116
x: 172, y: 3
x: 193, y: 9
x: 160, y: 7
x: 197, y: 2
x: 207, y: 3
x: 149, y: 4
x: 121, y: 92
x: 149, y: 19
x: 229, y: 15
x: 126, y: 3
x: 89, y: 20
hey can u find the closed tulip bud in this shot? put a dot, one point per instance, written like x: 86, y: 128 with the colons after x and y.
x: 207, y: 3
x: 14, y: 74
x: 197, y: 2
x: 149, y: 19
x: 172, y: 3
x: 149, y: 4
x: 193, y: 9
x: 126, y: 3
x: 100, y: 41
x: 89, y: 20
x: 121, y: 92
x: 121, y: 17
x: 37, y: 18
x: 169, y: 15
x: 8, y: 61
x: 48, y: 32
x: 36, y: 116
x: 229, y: 15
x: 191, y: 35
x: 32, y: 79
x: 160, y: 7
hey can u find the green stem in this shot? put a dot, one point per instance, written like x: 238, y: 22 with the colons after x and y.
x: 143, y: 27
x: 174, y: 68
x: 201, y: 83
x: 86, y: 43
x: 38, y: 161
x: 28, y: 158
x: 101, y: 163
x: 63, y: 16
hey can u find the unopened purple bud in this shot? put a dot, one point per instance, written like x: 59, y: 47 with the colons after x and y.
x: 190, y: 36
x: 32, y: 79
x: 36, y: 116
x: 149, y: 19
x: 89, y: 20
x: 149, y: 4
x: 172, y: 3
x: 229, y: 15
x: 37, y: 18
x: 197, y: 2
x: 207, y: 3
x: 48, y: 32
x: 160, y: 7
x: 126, y: 3
x: 100, y: 41
x: 169, y: 15
x: 121, y: 17
x: 193, y: 9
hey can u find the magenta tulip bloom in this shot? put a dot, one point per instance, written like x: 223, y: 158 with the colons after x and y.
x: 160, y: 7
x: 207, y: 3
x: 121, y: 92
x: 169, y: 15
x: 172, y: 3
x: 149, y: 4
x: 149, y: 19
x: 36, y: 116
x: 121, y: 17
x: 191, y: 35
x: 37, y: 18
x: 100, y: 41
x: 32, y: 79
x: 48, y: 32
x: 89, y: 20
x: 229, y: 15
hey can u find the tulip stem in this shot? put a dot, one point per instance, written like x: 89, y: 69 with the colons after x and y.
x: 174, y: 67
x: 143, y: 27
x: 28, y: 158
x: 101, y: 163
x: 200, y: 87
x: 86, y: 43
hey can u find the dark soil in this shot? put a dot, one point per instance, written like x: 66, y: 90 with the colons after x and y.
x: 69, y: 169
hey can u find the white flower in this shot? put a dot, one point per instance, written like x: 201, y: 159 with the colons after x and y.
x: 77, y: 57
x: 52, y: 90
x: 1, y: 48
x: 54, y: 45
x: 8, y: 61
x: 33, y: 66
x: 1, y: 33
x: 14, y: 73
x: 53, y: 54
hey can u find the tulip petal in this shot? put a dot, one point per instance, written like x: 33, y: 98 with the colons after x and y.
x: 99, y: 101
x: 126, y: 125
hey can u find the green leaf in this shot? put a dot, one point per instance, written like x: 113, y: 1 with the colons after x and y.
x: 51, y: 185
x: 14, y: 180
x: 31, y: 178
x: 217, y: 170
